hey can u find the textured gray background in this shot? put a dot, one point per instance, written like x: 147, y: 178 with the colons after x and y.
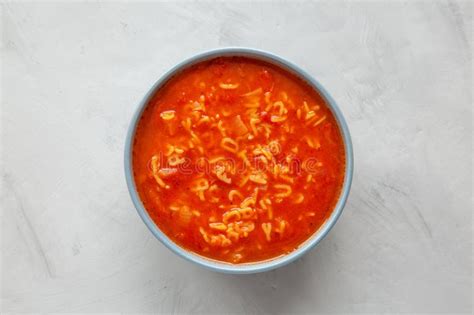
x: 72, y: 75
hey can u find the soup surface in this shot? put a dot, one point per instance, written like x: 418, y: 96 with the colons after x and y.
x: 238, y: 160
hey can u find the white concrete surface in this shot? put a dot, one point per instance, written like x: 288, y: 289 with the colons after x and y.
x: 73, y: 73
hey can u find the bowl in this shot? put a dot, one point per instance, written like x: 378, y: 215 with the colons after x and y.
x: 255, y: 266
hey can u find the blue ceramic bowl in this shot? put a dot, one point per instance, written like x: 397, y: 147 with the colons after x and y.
x: 248, y: 267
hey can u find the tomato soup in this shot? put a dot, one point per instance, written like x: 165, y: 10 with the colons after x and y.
x: 238, y: 160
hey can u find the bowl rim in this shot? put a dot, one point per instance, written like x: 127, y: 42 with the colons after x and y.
x: 253, y: 267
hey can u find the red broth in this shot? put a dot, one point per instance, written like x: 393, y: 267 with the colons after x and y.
x: 238, y: 160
